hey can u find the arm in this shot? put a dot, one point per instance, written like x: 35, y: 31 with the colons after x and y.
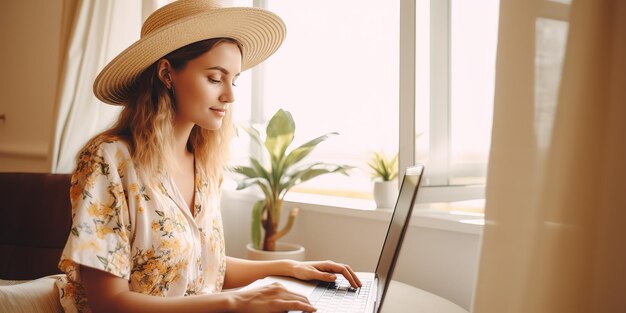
x: 240, y: 272
x: 109, y: 293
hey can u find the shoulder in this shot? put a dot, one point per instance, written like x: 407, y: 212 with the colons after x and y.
x: 103, y: 153
x: 105, y: 145
x: 103, y: 162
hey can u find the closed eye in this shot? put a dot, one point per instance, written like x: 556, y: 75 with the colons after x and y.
x: 216, y: 81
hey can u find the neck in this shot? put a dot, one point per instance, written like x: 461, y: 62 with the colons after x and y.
x: 182, y: 131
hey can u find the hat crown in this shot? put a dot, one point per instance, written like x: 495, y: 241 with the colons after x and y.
x: 177, y: 10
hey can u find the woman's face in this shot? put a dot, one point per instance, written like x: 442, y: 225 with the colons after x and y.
x: 204, y: 86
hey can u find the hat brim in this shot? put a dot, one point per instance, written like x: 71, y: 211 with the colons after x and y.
x: 259, y: 32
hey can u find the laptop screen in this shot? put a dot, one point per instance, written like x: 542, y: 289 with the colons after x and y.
x: 397, y: 228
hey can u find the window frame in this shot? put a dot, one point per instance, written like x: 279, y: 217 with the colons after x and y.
x: 439, y: 189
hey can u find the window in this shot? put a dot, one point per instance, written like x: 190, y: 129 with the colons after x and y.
x: 419, y: 82
x: 454, y: 88
x: 336, y: 71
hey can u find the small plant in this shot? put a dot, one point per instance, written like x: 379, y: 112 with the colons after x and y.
x: 383, y: 168
x: 283, y: 173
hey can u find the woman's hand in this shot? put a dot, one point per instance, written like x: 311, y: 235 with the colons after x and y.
x: 271, y: 298
x: 324, y: 271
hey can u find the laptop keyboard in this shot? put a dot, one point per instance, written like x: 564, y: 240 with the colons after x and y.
x: 340, y: 297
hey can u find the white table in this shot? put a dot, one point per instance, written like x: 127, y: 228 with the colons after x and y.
x: 406, y: 298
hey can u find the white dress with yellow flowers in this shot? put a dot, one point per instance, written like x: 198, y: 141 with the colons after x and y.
x: 140, y: 231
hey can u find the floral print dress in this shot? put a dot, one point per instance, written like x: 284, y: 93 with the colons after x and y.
x: 140, y: 230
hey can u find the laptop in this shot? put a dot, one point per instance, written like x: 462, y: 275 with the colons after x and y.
x: 339, y: 296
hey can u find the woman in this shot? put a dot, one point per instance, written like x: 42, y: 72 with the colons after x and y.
x: 147, y: 228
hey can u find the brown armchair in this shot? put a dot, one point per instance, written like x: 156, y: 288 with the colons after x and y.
x: 35, y: 220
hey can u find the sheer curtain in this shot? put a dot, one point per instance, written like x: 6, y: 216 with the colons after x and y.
x: 101, y: 30
x: 556, y: 202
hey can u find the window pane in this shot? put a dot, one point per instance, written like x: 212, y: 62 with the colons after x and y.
x: 474, y: 30
x: 338, y: 71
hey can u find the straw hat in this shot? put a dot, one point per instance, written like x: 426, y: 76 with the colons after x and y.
x: 183, y: 22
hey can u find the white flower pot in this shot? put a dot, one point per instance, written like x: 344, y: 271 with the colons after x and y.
x: 385, y: 194
x: 283, y: 251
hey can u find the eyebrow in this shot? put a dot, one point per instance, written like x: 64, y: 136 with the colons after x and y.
x: 221, y: 69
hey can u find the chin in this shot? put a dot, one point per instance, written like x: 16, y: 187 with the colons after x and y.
x: 211, y: 125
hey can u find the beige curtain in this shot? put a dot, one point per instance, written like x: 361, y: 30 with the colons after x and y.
x: 100, y: 30
x: 556, y: 195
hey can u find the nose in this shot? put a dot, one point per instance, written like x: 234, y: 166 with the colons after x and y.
x: 228, y: 94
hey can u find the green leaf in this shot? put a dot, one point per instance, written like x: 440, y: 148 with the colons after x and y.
x: 384, y: 168
x: 294, y: 177
x: 246, y: 171
x: 302, y: 151
x: 393, y: 168
x: 261, y: 171
x: 261, y: 182
x: 257, y: 212
x: 280, y: 132
x: 313, y: 171
x: 317, y: 172
x: 256, y: 175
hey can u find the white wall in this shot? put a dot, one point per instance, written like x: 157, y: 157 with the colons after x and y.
x: 30, y: 32
x: 438, y: 256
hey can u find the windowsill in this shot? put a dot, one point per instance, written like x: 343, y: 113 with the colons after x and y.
x: 460, y: 216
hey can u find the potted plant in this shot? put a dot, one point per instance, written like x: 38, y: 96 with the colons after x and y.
x: 283, y: 171
x: 384, y: 173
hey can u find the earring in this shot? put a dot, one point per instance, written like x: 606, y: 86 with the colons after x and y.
x: 169, y: 84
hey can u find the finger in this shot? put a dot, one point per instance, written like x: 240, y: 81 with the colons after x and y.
x: 293, y: 305
x: 356, y: 278
x: 290, y: 295
x: 328, y: 266
x: 342, y: 269
x: 348, y: 275
x: 287, y: 294
x: 322, y: 275
x: 275, y: 287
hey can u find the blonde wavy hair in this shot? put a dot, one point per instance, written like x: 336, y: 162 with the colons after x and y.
x: 146, y: 122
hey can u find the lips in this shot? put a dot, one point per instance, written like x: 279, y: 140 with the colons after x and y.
x: 219, y: 111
